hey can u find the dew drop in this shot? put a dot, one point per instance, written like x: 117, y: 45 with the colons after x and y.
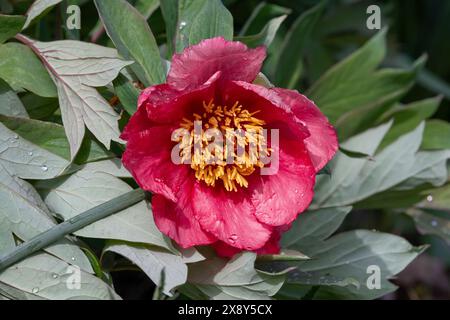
x: 16, y: 136
x: 430, y: 198
x: 73, y: 258
x: 30, y: 153
x: 182, y: 24
x: 55, y: 276
x: 233, y: 238
x: 44, y: 168
x: 35, y: 290
x: 434, y: 223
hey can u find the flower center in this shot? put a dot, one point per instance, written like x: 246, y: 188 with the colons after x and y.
x: 224, y: 144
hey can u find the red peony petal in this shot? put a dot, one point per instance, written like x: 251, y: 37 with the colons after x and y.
x: 178, y: 223
x: 322, y: 143
x: 196, y: 64
x: 272, y: 246
x: 296, y: 176
x: 148, y: 158
x: 230, y: 216
x: 167, y: 105
x: 138, y: 122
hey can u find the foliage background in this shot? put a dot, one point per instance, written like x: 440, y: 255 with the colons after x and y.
x: 415, y: 27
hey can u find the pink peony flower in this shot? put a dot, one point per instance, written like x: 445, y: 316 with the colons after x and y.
x: 229, y: 205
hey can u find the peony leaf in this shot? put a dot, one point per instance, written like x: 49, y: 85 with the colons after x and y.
x: 314, y: 226
x: 339, y: 265
x: 407, y: 117
x: 289, y: 65
x: 44, y: 276
x: 262, y: 13
x: 76, y: 68
x: 21, y: 69
x: 265, y: 36
x: 355, y: 179
x: 38, y: 8
x: 89, y: 187
x: 163, y: 268
x: 10, y: 104
x: 134, y: 40
x: 10, y: 26
x: 24, y: 159
x: 432, y: 221
x: 51, y: 137
x: 237, y: 278
x: 435, y: 135
x: 128, y: 94
x: 352, y: 94
x: 190, y: 21
x: 23, y: 219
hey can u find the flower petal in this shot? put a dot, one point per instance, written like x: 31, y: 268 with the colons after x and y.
x: 148, y: 158
x: 295, y: 176
x: 230, y: 216
x: 167, y: 105
x: 196, y: 64
x: 272, y: 246
x: 322, y: 143
x: 138, y: 122
x: 178, y: 223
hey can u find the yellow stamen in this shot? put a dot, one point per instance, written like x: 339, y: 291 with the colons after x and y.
x: 227, y: 119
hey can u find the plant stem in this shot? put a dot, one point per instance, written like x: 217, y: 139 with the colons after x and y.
x: 78, y: 222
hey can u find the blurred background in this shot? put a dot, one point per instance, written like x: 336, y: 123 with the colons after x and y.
x: 416, y: 27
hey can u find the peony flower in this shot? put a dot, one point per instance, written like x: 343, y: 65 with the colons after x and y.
x: 231, y: 205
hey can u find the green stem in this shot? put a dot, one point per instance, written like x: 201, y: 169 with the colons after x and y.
x: 281, y: 257
x: 71, y: 225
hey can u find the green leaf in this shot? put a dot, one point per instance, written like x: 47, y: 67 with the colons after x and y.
x: 91, y: 186
x: 44, y: 276
x: 355, y: 179
x: 38, y: 8
x: 339, y: 265
x: 408, y: 117
x: 428, y: 221
x: 51, y: 137
x: 265, y: 36
x: 436, y: 135
x: 77, y: 68
x: 10, y: 104
x: 146, y: 7
x: 314, y: 226
x: 163, y: 268
x: 262, y: 13
x: 169, y: 10
x: 290, y: 64
x: 237, y: 278
x: 128, y: 94
x: 24, y: 159
x: 352, y: 94
x: 39, y: 107
x: 10, y: 26
x: 23, y: 70
x: 134, y: 40
x: 21, y: 218
x: 201, y: 19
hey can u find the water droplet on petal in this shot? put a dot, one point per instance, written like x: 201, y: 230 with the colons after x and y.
x: 430, y: 198
x: 233, y: 238
x: 30, y: 153
x: 35, y: 290
x: 44, y: 168
x: 16, y: 136
x: 55, y: 276
x: 73, y: 258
